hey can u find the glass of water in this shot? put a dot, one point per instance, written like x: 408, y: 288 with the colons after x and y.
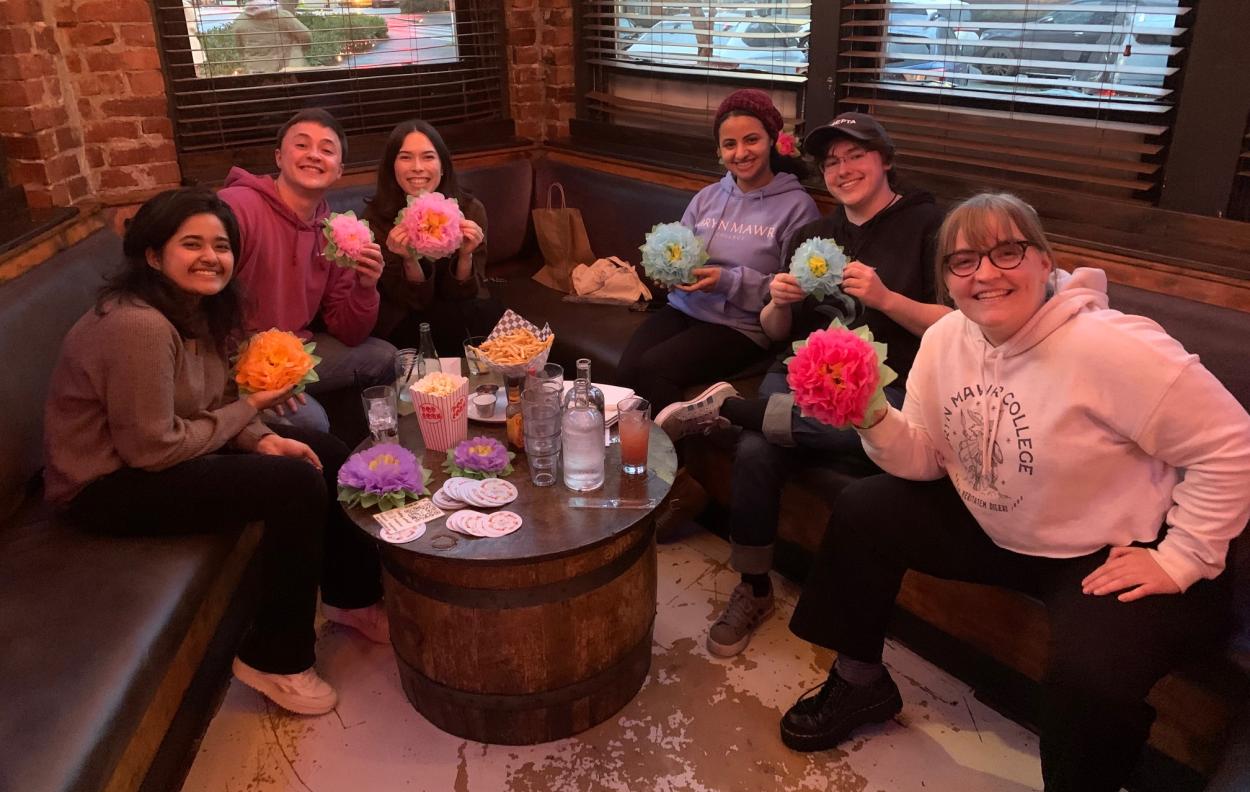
x: 382, y: 413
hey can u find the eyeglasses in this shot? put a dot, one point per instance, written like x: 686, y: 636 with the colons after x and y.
x: 850, y: 159
x: 1004, y: 255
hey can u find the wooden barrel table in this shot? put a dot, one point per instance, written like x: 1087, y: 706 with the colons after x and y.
x: 537, y: 635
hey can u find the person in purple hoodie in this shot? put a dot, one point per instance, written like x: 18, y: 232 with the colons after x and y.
x: 287, y: 280
x: 710, y: 329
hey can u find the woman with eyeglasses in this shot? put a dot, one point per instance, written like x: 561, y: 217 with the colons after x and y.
x: 889, y: 235
x: 1050, y: 445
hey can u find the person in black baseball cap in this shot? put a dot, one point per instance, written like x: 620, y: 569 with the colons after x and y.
x: 859, y: 127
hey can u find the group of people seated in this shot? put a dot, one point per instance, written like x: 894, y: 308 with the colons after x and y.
x: 1035, y: 439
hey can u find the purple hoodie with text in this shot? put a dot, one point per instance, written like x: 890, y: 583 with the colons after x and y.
x: 744, y: 234
x: 284, y: 274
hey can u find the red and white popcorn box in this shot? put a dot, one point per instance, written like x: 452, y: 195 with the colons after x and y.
x: 444, y: 420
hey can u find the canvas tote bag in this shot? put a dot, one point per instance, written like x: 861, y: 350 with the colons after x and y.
x: 562, y: 239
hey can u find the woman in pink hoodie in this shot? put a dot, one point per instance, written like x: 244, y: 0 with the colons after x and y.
x: 1050, y: 445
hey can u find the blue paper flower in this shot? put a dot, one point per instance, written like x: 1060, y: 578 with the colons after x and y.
x: 817, y: 266
x: 670, y: 253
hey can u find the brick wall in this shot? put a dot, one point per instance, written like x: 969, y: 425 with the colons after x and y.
x: 540, y: 58
x: 82, y: 101
x: 83, y: 111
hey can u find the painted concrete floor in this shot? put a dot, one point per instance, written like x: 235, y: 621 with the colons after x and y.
x: 699, y: 723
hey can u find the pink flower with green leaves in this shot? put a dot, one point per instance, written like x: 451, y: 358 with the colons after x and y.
x: 346, y: 236
x: 838, y: 375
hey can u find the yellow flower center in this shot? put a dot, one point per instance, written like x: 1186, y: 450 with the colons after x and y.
x: 434, y: 223
x: 480, y: 450
x: 382, y: 459
x: 818, y: 266
x: 673, y: 252
x: 833, y: 372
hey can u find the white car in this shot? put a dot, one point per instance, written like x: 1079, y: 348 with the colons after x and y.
x: 746, y: 45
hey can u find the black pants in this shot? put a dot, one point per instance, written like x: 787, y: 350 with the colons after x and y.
x: 672, y: 351
x: 308, y: 539
x: 1104, y: 655
x: 451, y: 322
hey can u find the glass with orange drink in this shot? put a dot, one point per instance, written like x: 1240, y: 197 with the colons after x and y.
x: 634, y: 423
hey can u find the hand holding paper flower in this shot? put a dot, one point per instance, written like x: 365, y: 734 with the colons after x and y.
x: 479, y: 458
x: 670, y: 253
x: 386, y: 475
x: 838, y: 375
x: 432, y: 222
x: 346, y: 236
x: 275, y: 360
x: 817, y: 266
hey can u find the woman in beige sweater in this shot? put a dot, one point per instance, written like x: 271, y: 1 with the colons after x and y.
x: 142, y: 437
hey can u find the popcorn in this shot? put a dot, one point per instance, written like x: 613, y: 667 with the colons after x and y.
x: 438, y: 383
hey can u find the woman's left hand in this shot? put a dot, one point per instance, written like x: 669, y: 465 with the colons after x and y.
x: 1132, y: 570
x: 369, y: 265
x: 473, y: 236
x: 277, y: 445
x: 706, y: 279
x: 860, y: 280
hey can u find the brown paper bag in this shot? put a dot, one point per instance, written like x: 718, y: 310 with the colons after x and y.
x: 562, y: 239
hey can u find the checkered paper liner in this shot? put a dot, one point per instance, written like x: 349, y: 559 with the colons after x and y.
x: 510, y: 321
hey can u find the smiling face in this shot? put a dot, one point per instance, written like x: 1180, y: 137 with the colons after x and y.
x: 856, y: 177
x: 999, y: 301
x: 744, y: 148
x: 197, y: 258
x: 310, y: 158
x: 417, y: 166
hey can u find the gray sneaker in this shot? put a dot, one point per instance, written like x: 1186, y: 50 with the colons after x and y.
x: 697, y: 416
x: 742, y: 616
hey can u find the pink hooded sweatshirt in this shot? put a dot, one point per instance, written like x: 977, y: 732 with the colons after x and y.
x: 285, y: 278
x: 1087, y: 428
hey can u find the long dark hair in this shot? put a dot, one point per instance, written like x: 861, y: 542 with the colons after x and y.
x: 215, y: 317
x: 390, y: 197
x: 776, y: 162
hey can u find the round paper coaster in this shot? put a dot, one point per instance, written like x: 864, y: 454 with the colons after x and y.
x: 402, y: 535
x: 444, y: 501
x: 502, y: 523
x: 498, y: 490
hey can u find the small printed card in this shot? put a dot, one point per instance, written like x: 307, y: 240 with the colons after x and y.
x: 406, y: 517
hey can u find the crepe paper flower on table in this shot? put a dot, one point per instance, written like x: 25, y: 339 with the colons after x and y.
x: 479, y: 458
x: 386, y: 475
x: 346, y: 236
x: 787, y: 145
x: 275, y: 360
x: 670, y: 254
x: 838, y: 375
x: 432, y: 221
x: 817, y: 265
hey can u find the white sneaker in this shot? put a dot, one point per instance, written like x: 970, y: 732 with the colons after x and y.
x: 699, y: 414
x: 371, y: 622
x: 304, y: 693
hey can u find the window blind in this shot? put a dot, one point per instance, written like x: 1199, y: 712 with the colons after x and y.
x: 1075, y: 93
x: 1239, y: 203
x: 235, y: 74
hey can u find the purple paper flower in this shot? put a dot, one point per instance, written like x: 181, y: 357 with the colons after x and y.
x: 483, y: 454
x: 386, y: 467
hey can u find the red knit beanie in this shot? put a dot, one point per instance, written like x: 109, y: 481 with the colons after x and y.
x: 752, y: 102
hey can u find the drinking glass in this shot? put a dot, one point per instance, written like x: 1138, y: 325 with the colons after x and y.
x: 544, y: 467
x: 472, y: 362
x: 405, y: 372
x: 547, y: 372
x: 634, y: 422
x: 382, y: 413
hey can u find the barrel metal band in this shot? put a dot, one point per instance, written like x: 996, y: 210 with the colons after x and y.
x: 637, y: 659
x: 528, y: 597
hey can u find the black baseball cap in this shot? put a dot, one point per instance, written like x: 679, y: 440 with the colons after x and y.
x: 857, y: 126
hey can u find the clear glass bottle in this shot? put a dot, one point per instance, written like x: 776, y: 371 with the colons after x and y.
x: 581, y: 437
x: 427, y: 356
x: 595, y: 395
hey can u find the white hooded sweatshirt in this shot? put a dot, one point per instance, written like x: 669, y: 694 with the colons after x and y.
x: 1087, y: 428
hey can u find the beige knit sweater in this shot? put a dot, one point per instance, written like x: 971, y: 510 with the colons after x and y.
x: 128, y: 391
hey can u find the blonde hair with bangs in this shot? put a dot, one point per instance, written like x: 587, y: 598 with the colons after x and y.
x: 982, y: 219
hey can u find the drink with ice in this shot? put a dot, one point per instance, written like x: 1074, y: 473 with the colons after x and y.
x: 581, y: 433
x: 380, y: 412
x: 635, y: 429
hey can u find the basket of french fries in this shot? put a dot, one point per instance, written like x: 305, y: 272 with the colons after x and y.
x: 515, y: 345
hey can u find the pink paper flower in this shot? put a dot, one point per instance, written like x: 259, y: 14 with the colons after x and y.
x: 346, y: 236
x: 787, y: 145
x: 432, y: 221
x: 834, y: 376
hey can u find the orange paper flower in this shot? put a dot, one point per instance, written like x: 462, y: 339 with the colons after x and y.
x: 275, y: 360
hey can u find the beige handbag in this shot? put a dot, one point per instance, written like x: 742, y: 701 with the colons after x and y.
x: 608, y: 280
x: 562, y: 240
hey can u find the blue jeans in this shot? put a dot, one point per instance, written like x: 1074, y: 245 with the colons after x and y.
x: 370, y: 363
x: 764, y: 461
